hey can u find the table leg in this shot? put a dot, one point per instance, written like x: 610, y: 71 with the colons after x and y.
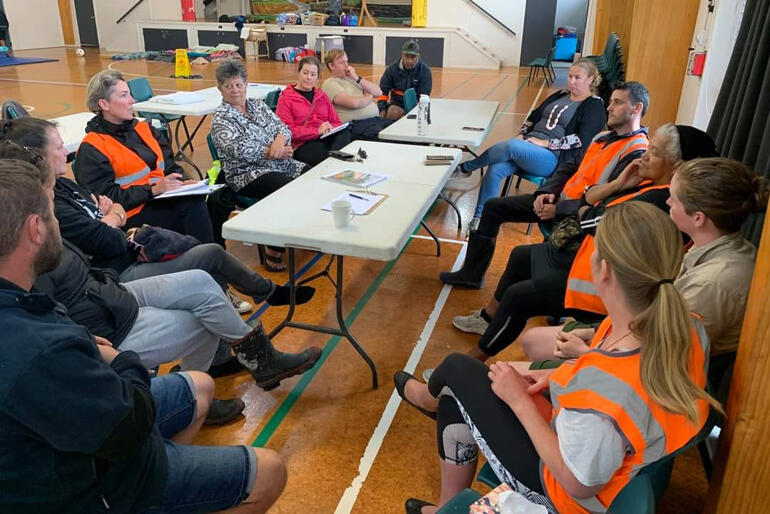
x: 181, y: 147
x: 438, y: 243
x: 342, y: 331
x: 457, y: 211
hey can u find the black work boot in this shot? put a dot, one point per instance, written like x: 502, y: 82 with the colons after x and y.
x: 269, y: 366
x: 477, y: 259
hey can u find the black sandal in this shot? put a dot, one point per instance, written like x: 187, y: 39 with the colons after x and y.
x: 400, y: 379
x: 272, y: 263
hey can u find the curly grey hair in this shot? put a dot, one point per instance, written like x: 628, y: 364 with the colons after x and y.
x: 100, y: 87
x: 672, y: 147
x: 230, y: 69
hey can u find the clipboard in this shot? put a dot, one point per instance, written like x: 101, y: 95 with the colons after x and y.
x: 356, y: 203
x: 379, y: 202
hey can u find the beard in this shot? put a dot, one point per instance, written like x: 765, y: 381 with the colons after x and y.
x: 49, y: 256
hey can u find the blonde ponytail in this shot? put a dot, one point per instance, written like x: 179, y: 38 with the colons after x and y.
x: 644, y: 249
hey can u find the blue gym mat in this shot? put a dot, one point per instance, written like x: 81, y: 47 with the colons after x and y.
x: 16, y: 61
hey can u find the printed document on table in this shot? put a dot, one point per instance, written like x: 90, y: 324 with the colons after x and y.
x: 361, y: 203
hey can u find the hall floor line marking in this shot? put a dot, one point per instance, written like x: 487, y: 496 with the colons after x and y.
x: 350, y: 495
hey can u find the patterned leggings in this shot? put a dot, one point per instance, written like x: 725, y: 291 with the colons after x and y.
x: 471, y: 415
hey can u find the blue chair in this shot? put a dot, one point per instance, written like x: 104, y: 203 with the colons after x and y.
x: 272, y: 99
x: 538, y: 181
x: 141, y: 91
x: 410, y: 99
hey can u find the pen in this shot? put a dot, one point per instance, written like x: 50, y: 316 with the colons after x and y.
x: 356, y: 196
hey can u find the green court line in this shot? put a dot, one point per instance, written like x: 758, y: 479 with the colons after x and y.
x: 283, y: 410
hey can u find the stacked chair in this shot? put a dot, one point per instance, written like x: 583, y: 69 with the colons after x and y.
x: 611, y: 67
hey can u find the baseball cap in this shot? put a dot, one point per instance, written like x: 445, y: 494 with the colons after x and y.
x: 411, y: 48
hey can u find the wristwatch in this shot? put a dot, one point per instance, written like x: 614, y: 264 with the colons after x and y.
x: 358, y: 80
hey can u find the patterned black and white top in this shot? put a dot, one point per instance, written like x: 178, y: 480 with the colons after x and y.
x: 242, y: 140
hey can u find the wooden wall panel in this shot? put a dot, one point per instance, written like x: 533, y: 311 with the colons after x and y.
x: 613, y: 16
x: 741, y: 474
x: 65, y: 15
x: 657, y: 53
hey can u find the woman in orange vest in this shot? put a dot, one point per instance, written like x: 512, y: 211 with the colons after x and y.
x: 129, y: 162
x: 635, y: 398
x: 535, y: 280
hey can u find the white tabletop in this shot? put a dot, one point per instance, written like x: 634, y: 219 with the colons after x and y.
x: 292, y: 216
x: 212, y: 100
x: 448, y: 117
x: 73, y: 128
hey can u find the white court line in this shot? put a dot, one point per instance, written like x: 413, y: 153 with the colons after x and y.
x: 453, y: 241
x: 537, y: 97
x: 378, y: 436
x: 43, y: 82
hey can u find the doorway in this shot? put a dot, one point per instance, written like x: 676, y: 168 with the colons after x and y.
x: 84, y: 12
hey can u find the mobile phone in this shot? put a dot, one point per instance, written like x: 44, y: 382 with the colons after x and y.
x: 342, y: 155
x: 477, y: 129
x: 411, y: 116
x: 439, y: 158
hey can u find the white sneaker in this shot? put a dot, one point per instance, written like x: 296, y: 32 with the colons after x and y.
x: 242, y: 306
x: 473, y: 323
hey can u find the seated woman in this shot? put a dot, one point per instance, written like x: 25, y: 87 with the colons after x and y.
x: 93, y: 223
x: 710, y: 199
x: 576, y: 453
x: 565, y: 123
x: 553, y: 278
x: 253, y: 145
x: 310, y: 114
x: 129, y: 162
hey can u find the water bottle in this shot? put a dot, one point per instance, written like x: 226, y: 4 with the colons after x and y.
x: 423, y: 115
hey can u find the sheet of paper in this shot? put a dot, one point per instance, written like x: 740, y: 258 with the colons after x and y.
x: 359, y: 202
x: 336, y: 129
x: 199, y: 188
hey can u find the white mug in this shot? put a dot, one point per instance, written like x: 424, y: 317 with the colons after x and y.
x: 342, y: 213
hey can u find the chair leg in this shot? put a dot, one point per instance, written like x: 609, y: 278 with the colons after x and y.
x: 187, y: 133
x: 529, y: 77
x: 507, y: 185
x: 529, y: 228
x: 518, y: 182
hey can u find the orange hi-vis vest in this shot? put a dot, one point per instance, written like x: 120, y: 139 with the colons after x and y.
x: 599, y: 161
x: 610, y: 385
x: 581, y: 292
x: 130, y: 169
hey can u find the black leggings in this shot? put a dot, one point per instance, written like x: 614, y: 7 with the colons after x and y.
x: 505, y: 209
x: 315, y: 151
x: 534, y: 284
x: 468, y: 382
x: 186, y: 215
x: 264, y: 185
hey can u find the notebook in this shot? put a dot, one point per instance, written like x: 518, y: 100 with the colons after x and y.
x: 355, y: 178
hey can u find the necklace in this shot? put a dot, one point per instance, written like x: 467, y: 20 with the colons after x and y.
x: 608, y: 347
x: 548, y: 124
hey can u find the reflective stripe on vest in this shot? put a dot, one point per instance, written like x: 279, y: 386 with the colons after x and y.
x: 581, y: 292
x: 130, y: 170
x: 609, y: 384
x: 599, y: 162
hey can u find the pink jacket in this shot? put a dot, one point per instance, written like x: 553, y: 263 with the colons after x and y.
x: 303, y: 118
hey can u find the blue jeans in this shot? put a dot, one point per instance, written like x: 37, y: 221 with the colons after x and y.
x: 506, y: 158
x: 199, y: 478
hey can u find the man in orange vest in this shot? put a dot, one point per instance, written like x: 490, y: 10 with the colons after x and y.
x: 606, y: 157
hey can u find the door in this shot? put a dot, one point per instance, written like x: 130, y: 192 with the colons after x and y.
x: 537, y: 38
x: 84, y: 12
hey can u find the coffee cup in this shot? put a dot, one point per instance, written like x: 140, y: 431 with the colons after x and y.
x: 342, y: 213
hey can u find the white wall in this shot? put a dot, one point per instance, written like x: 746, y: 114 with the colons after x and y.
x: 699, y: 94
x: 124, y: 37
x: 460, y: 13
x: 34, y: 23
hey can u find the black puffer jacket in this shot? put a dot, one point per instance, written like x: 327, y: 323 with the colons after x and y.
x: 93, y: 296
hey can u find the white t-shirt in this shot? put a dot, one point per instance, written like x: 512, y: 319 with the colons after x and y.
x: 334, y: 86
x: 590, y: 445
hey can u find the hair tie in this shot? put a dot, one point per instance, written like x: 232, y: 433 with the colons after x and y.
x: 664, y: 281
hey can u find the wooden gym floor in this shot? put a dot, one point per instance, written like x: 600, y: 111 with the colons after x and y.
x: 350, y: 448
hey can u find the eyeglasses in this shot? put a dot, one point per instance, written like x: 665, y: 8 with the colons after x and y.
x: 36, y: 157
